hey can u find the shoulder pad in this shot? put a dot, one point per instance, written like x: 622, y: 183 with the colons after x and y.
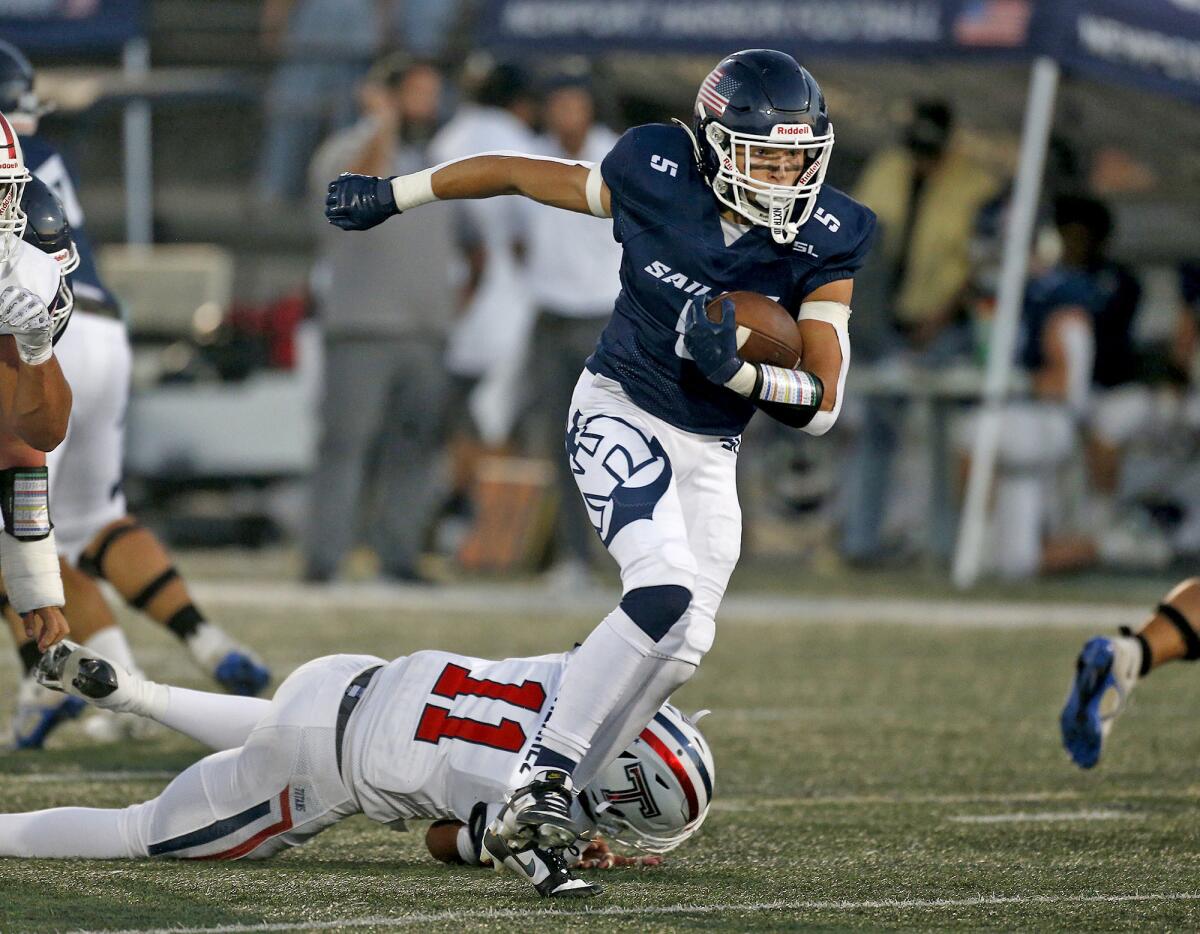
x: 641, y: 165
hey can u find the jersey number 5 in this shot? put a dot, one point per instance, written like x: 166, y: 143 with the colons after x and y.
x: 437, y: 724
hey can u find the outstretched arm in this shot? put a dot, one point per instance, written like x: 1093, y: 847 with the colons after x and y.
x: 360, y: 202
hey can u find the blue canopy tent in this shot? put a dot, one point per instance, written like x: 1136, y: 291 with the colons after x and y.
x: 1149, y: 44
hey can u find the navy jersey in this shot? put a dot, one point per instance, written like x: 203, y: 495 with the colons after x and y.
x: 1109, y: 294
x: 667, y: 219
x: 44, y: 161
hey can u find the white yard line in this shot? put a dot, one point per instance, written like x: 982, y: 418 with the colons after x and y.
x: 1043, y: 817
x: 50, y: 778
x: 508, y: 599
x: 751, y: 803
x: 533, y: 913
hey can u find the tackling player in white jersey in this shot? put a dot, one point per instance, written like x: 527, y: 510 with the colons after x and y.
x: 428, y: 736
x: 96, y: 537
x: 35, y: 404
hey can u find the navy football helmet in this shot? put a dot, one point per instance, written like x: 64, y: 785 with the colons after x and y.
x: 47, y: 229
x: 18, y: 100
x: 759, y: 112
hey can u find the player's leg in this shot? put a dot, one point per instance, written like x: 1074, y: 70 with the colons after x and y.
x: 278, y: 789
x: 38, y: 711
x: 1109, y: 667
x: 412, y: 448
x: 620, y: 458
x: 708, y: 493
x: 219, y: 721
x: 138, y: 565
x: 355, y: 385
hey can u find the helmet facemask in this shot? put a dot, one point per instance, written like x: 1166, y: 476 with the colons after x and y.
x: 12, y: 218
x: 68, y: 261
x: 783, y: 208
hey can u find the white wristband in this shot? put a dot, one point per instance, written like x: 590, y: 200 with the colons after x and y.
x: 412, y: 191
x: 743, y: 380
x: 31, y: 573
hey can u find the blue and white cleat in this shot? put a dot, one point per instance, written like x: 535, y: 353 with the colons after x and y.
x: 1105, y: 675
x: 39, y: 712
x: 240, y: 673
x: 231, y: 665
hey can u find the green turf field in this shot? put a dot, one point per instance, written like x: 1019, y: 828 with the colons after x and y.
x: 868, y: 776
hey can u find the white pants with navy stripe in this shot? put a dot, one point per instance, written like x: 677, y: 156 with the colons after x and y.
x: 277, y: 790
x: 663, y: 500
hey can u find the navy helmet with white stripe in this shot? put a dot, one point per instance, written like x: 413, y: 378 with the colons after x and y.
x: 760, y: 108
x: 656, y: 793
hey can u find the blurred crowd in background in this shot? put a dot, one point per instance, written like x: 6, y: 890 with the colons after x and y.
x: 434, y: 357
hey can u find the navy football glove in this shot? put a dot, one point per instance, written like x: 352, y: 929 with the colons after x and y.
x: 712, y: 346
x: 359, y: 202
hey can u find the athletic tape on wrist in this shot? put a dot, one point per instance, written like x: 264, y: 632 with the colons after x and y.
x: 31, y: 572
x: 789, y: 387
x: 413, y: 190
x: 25, y: 502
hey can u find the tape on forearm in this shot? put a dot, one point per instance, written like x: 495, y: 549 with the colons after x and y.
x: 789, y: 387
x: 837, y: 315
x: 25, y: 502
x: 31, y: 573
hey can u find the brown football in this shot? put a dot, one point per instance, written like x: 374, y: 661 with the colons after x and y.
x: 766, y: 333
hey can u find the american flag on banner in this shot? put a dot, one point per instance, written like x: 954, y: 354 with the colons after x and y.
x: 1000, y: 23
x: 716, y: 91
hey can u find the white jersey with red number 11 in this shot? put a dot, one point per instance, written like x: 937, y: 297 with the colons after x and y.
x: 437, y: 732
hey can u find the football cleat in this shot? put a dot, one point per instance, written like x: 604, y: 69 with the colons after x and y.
x: 544, y: 869
x: 39, y: 712
x: 83, y: 673
x: 239, y: 673
x: 231, y: 665
x: 1105, y: 675
x: 539, y: 814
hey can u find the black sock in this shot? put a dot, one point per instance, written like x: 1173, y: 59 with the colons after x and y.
x: 186, y: 621
x: 30, y: 655
x: 1147, y: 658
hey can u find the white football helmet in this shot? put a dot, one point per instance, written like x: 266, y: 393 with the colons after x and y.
x: 656, y: 793
x: 13, y: 178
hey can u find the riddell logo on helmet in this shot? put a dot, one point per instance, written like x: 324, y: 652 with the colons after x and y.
x: 10, y: 165
x: 791, y: 129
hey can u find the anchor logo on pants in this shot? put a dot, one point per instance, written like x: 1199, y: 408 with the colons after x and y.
x: 621, y: 472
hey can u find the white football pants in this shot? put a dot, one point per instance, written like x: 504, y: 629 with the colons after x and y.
x: 86, y: 469
x: 277, y: 790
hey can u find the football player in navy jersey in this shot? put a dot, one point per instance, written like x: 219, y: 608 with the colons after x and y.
x: 733, y: 202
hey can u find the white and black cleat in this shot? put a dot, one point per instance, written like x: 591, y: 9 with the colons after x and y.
x: 79, y: 671
x: 544, y: 869
x: 539, y: 814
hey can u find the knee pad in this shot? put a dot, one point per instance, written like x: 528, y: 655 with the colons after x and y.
x: 654, y: 610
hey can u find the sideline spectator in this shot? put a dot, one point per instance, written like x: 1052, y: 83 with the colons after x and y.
x: 1067, y: 310
x: 384, y: 305
x: 574, y: 272
x: 926, y: 193
x: 324, y: 48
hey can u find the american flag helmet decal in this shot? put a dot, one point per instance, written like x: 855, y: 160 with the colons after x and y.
x: 716, y: 90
